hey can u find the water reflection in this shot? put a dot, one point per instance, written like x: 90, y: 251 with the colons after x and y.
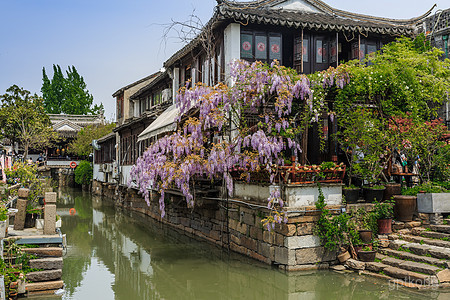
x: 121, y: 255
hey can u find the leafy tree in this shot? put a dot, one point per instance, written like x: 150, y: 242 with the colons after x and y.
x: 84, y: 173
x: 23, y: 119
x: 67, y: 95
x: 405, y: 77
x: 82, y: 144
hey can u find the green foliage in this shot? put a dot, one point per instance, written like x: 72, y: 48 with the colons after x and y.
x: 23, y: 119
x: 404, y: 77
x: 384, y: 210
x: 82, y: 144
x: 333, y: 231
x: 427, y: 187
x: 84, y: 173
x: 3, y: 213
x: 14, y: 266
x: 364, y: 140
x: 68, y: 95
x: 27, y: 176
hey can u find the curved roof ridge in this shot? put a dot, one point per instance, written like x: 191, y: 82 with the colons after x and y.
x: 327, y: 9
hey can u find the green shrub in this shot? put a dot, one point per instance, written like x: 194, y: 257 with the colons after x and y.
x: 427, y: 187
x: 84, y: 172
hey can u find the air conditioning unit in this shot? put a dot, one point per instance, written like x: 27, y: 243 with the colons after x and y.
x: 108, y: 168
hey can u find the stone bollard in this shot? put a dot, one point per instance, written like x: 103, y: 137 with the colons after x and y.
x: 50, y: 213
x: 19, y: 219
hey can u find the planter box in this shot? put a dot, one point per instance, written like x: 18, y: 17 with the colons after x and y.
x: 295, y: 195
x: 431, y: 203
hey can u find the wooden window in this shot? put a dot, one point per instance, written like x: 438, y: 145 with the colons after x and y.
x: 262, y: 46
x: 321, y: 51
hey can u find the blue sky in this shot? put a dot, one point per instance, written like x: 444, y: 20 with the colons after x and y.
x: 113, y: 43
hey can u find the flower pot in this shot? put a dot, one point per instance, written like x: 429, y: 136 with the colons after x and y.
x: 384, y: 226
x: 366, y: 236
x: 343, y: 257
x: 367, y: 256
x: 404, y: 208
x: 391, y: 190
x: 351, y: 195
x: 371, y: 194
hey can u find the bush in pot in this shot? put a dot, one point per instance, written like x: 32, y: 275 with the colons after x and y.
x: 384, y: 212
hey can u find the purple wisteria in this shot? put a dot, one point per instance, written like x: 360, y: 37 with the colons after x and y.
x: 215, y: 134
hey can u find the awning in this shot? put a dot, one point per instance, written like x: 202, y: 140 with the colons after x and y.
x: 165, y: 122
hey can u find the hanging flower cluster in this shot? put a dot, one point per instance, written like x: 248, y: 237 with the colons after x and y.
x: 215, y: 135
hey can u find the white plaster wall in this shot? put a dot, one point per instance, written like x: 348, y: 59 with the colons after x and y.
x: 298, y: 5
x: 175, y: 83
x: 232, y: 42
x: 125, y: 170
x: 99, y: 176
x: 128, y: 110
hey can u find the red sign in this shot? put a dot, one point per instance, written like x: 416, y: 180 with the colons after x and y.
x: 261, y: 47
x: 246, y: 46
x: 275, y: 48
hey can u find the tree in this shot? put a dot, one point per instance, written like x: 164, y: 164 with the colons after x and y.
x: 23, y: 119
x: 68, y: 95
x: 246, y: 126
x: 82, y: 144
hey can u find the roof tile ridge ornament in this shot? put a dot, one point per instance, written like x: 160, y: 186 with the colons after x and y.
x: 412, y: 21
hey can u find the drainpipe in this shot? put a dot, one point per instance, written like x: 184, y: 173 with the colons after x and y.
x: 445, y: 38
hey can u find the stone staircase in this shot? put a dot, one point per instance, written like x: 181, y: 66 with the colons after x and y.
x: 417, y: 257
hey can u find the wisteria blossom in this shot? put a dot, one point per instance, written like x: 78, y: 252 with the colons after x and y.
x: 221, y: 111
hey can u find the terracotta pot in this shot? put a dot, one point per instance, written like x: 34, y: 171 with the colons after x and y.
x: 384, y: 226
x: 366, y: 236
x: 343, y: 257
x: 391, y: 190
x: 404, y: 208
x: 351, y: 195
x: 367, y: 255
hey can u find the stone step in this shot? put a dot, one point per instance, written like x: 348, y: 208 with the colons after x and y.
x: 50, y: 263
x: 44, y: 251
x: 418, y: 249
x: 417, y: 258
x: 430, y: 234
x: 43, y: 286
x: 411, y: 266
x: 427, y: 241
x: 411, y: 277
x: 397, y: 282
x: 46, y: 275
x: 440, y: 228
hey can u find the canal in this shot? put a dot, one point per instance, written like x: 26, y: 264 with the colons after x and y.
x: 113, y: 254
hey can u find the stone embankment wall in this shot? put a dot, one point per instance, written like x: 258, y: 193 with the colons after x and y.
x: 290, y: 246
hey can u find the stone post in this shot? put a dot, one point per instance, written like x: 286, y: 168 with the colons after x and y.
x: 50, y: 213
x: 19, y: 219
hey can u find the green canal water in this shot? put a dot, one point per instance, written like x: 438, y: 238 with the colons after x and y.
x: 113, y: 254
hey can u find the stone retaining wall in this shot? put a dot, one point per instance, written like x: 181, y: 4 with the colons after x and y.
x: 290, y: 246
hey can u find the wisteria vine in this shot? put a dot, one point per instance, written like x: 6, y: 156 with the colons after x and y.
x: 221, y: 111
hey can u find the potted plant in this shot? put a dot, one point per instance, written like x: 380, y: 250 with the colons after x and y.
x: 431, y: 198
x: 351, y: 193
x: 384, y: 212
x: 367, y: 254
x: 4, y: 218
